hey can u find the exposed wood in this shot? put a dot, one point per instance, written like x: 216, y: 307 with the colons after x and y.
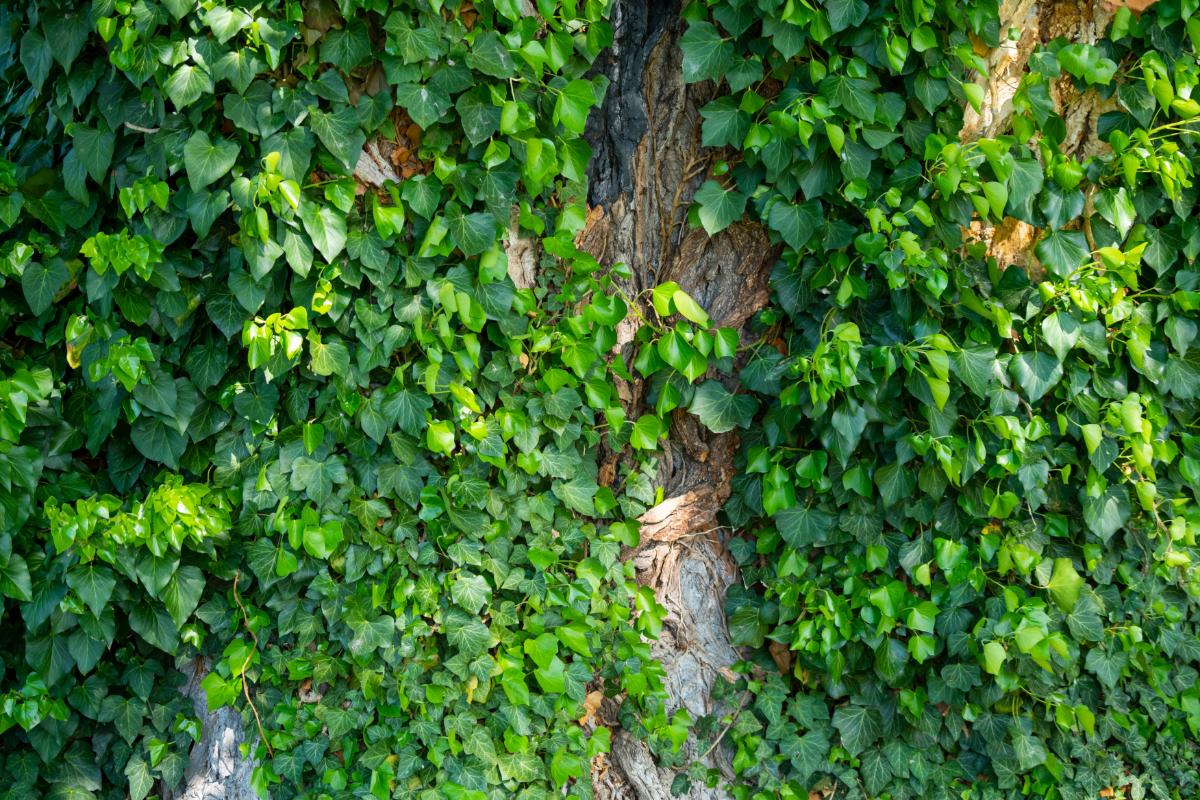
x: 648, y: 163
x: 216, y: 769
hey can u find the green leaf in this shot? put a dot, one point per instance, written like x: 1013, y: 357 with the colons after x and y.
x: 1065, y: 584
x: 719, y: 207
x: 795, y: 223
x: 182, y: 593
x: 472, y: 233
x: 1036, y: 373
x: 720, y: 410
x: 41, y: 282
x: 206, y: 160
x: 859, y: 726
x: 1061, y: 331
x: 155, y: 625
x: 1108, y: 513
x: 480, y: 118
x: 14, y: 579
x: 328, y: 358
x: 326, y: 227
x: 95, y: 150
x: 856, y: 95
x: 472, y: 592
x: 577, y: 494
x: 1062, y: 252
x: 425, y: 104
x: 157, y: 440
x: 137, y: 772
x: 466, y: 632
x: 322, y: 541
x: 805, y: 527
x: 490, y: 56
x: 705, y: 54
x: 339, y: 131
x: 94, y: 585
x: 646, y: 432
x: 994, y: 655
x: 187, y: 84
x: 573, y: 104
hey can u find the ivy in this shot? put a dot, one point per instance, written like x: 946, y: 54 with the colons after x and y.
x: 966, y: 512
x: 258, y: 410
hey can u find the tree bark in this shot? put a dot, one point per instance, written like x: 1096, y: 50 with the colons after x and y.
x: 647, y: 164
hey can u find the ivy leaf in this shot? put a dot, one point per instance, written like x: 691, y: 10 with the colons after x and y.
x: 490, y: 56
x: 805, y: 527
x: 646, y: 432
x: 94, y: 585
x: 157, y: 440
x: 859, y: 726
x: 425, y: 104
x: 471, y: 592
x: 472, y: 233
x: 137, y: 771
x: 1107, y: 664
x: 1061, y: 331
x: 339, y: 131
x: 577, y: 494
x: 1065, y: 584
x: 206, y: 160
x: 719, y: 207
x: 724, y: 123
x: 95, y: 150
x: 325, y: 227
x: 480, y: 118
x: 573, y: 104
x: 328, y: 358
x: 36, y: 58
x: 155, y: 625
x: 182, y: 593
x: 1062, y: 252
x: 466, y: 632
x: 706, y: 56
x: 845, y: 14
x: 856, y: 95
x: 187, y: 84
x: 1108, y: 513
x: 40, y: 283
x: 14, y: 579
x: 1036, y: 373
x: 795, y: 223
x: 720, y: 410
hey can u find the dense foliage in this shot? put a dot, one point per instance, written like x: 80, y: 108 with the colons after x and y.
x: 254, y: 409
x: 972, y: 492
x: 307, y: 426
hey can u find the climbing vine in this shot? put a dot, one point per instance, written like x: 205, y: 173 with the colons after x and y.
x: 272, y: 409
x: 966, y: 515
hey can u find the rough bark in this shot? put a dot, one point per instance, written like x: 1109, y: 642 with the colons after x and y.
x: 1034, y: 24
x: 647, y: 164
x: 216, y: 770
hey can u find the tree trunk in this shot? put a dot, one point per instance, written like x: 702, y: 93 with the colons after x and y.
x: 647, y: 164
